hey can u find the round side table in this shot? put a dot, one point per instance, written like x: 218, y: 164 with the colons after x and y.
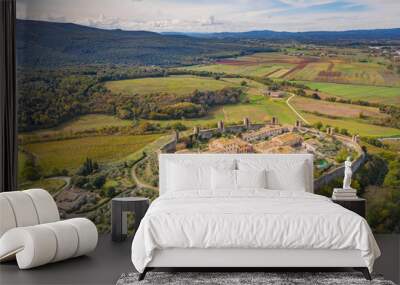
x: 119, y: 208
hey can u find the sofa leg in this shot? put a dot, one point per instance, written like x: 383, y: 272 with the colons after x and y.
x: 365, y: 272
x: 143, y: 274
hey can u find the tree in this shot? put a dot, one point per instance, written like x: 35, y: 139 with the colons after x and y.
x: 179, y: 127
x: 301, y: 92
x: 110, y: 192
x: 373, y: 172
x: 98, y: 181
x: 79, y: 181
x: 392, y: 178
x: 342, y: 155
x: 344, y: 132
x: 87, y: 168
x: 31, y: 171
x: 315, y: 96
x: 318, y: 125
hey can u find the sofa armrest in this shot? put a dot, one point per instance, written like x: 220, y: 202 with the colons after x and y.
x: 41, y: 244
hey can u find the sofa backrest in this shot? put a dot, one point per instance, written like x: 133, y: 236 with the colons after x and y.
x: 285, y: 170
x: 26, y: 208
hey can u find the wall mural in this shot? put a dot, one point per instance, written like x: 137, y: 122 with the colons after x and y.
x: 101, y: 96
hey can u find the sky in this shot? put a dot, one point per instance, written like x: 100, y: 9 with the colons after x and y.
x: 217, y: 15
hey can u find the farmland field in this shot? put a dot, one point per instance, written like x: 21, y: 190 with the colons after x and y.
x: 354, y: 126
x: 393, y: 145
x: 179, y: 85
x: 260, y: 64
x: 335, y: 109
x: 86, y: 122
x: 340, y: 69
x: 50, y: 184
x: 376, y: 94
x: 258, y: 108
x: 70, y: 154
x: 343, y: 71
x: 250, y: 69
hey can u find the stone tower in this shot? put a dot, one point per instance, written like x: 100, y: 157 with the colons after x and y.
x: 246, y: 122
x: 220, y: 125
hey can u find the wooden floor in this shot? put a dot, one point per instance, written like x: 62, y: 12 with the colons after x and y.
x: 110, y: 260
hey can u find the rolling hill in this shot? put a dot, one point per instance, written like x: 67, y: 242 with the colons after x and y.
x: 48, y: 44
x: 351, y: 36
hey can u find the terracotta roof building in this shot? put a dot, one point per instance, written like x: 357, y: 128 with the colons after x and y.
x: 234, y: 145
x: 265, y: 132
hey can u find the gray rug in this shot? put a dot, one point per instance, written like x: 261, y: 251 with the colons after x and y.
x: 243, y: 278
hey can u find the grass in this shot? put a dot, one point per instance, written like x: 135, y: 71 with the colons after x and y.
x: 366, y: 73
x: 179, y: 85
x: 21, y: 162
x: 310, y: 72
x: 393, y: 145
x: 86, y: 122
x: 259, y: 64
x: 51, y: 185
x: 70, y: 154
x: 258, y: 109
x: 256, y: 69
x: 377, y: 94
x: 335, y: 109
x: 354, y: 126
x: 348, y: 71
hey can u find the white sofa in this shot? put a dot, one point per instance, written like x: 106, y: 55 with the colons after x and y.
x: 31, y: 230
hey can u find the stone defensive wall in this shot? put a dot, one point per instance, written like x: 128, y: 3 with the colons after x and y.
x: 326, y: 178
x: 339, y: 171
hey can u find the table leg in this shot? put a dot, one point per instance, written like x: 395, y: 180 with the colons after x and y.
x: 116, y: 221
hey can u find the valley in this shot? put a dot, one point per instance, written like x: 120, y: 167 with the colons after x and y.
x: 92, y: 132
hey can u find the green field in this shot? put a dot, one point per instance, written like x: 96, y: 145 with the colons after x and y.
x: 70, y: 154
x: 51, y: 185
x: 86, y: 122
x: 336, y: 109
x: 258, y: 109
x: 342, y: 68
x: 272, y: 64
x: 347, y: 70
x: 354, y: 126
x: 310, y: 72
x: 385, y: 95
x: 179, y: 85
x: 21, y: 162
x: 257, y: 69
x: 393, y: 145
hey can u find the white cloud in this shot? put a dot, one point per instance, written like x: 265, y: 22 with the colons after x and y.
x: 306, y: 3
x: 214, y: 16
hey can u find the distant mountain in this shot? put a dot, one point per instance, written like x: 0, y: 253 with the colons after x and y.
x: 47, y: 44
x: 318, y: 36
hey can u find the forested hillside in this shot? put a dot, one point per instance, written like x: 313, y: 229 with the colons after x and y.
x: 47, y: 44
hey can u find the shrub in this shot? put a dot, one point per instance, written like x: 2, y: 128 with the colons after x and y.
x: 110, y: 192
x: 98, y: 181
